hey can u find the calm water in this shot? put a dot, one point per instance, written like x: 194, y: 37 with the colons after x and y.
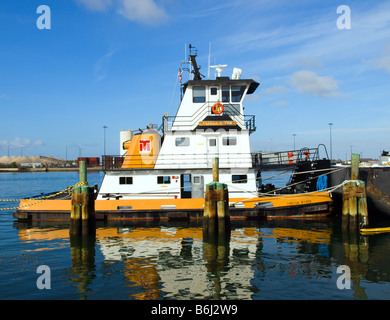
x: 146, y: 261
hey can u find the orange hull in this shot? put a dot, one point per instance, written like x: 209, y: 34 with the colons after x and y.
x: 278, y: 201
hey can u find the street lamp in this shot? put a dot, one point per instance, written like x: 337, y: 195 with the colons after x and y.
x: 104, y: 127
x: 330, y: 139
x: 294, y: 134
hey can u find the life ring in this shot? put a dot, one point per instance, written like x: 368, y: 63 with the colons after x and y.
x: 290, y: 155
x: 217, y: 108
x: 307, y: 154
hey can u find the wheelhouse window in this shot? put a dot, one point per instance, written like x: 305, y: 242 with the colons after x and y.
x: 225, y: 94
x: 214, y: 91
x: 125, y: 180
x: 229, y: 141
x: 199, y: 94
x: 163, y: 179
x: 237, y: 93
x: 239, y: 178
x: 182, y: 142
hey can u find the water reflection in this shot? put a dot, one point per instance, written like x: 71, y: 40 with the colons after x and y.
x: 82, y: 251
x: 255, y: 260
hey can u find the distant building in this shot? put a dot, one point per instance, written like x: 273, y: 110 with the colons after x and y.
x: 31, y: 165
x: 90, y: 161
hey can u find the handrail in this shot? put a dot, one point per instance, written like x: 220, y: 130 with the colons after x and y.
x: 286, y: 158
x: 255, y: 160
x: 190, y: 122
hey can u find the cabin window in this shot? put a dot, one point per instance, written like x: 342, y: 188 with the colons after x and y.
x: 237, y: 93
x: 196, y: 180
x: 239, y: 178
x: 163, y: 179
x: 199, y: 94
x: 182, y: 142
x: 125, y: 180
x: 214, y: 91
x: 225, y: 94
x: 229, y: 141
x: 212, y: 142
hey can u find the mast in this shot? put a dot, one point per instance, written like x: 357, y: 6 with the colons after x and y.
x: 197, y: 74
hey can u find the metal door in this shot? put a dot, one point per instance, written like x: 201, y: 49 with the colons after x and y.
x: 197, y: 186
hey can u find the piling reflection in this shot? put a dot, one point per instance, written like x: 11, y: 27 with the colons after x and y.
x: 216, y: 252
x: 356, y: 249
x: 82, y: 251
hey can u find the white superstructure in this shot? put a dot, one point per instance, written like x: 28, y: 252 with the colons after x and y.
x: 177, y: 164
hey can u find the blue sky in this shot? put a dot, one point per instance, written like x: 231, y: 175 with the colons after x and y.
x: 114, y: 63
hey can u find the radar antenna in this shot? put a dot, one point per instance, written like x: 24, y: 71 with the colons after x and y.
x: 219, y: 68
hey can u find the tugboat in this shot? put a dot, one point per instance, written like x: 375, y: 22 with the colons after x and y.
x: 162, y: 171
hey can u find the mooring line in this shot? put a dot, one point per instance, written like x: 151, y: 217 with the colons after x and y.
x: 43, y: 198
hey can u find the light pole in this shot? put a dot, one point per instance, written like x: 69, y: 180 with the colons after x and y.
x: 104, y: 127
x: 330, y: 139
x: 294, y: 134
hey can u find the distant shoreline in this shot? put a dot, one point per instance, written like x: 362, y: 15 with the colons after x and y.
x: 17, y: 170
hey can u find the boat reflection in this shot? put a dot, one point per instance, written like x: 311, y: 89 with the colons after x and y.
x: 173, y: 261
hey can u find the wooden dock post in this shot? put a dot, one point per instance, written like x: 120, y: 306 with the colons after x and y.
x: 354, y: 213
x: 82, y: 214
x: 216, y: 217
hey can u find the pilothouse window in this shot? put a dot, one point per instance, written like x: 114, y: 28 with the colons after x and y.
x: 237, y: 93
x: 225, y: 94
x: 199, y: 94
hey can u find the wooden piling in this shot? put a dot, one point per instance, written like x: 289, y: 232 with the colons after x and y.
x: 216, y: 169
x: 354, y: 214
x: 216, y: 217
x: 82, y: 214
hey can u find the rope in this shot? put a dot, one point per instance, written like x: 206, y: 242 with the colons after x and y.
x: 41, y: 199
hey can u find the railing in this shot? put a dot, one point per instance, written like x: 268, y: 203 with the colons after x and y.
x: 111, y: 162
x: 190, y: 122
x: 286, y: 158
x: 179, y: 161
x: 257, y: 160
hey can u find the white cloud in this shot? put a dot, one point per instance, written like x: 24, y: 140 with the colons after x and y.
x: 310, y: 62
x: 277, y: 89
x: 142, y: 11
x: 384, y: 62
x: 19, y: 142
x: 145, y: 11
x: 310, y: 82
x: 101, y: 66
x: 281, y: 104
x: 96, y: 5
